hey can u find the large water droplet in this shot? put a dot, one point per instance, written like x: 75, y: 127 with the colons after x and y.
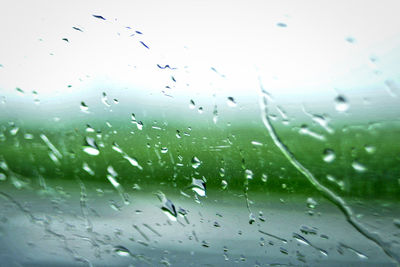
x: 199, y: 187
x: 122, y: 251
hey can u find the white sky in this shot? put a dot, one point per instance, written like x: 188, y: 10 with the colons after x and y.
x: 235, y: 37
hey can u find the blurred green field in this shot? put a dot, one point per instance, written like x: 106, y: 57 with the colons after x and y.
x: 225, y: 153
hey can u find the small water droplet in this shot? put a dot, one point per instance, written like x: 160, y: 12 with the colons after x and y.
x: 311, y: 203
x: 248, y: 174
x: 224, y: 184
x: 196, y: 162
x: 341, y: 103
x: 164, y: 150
x: 231, y: 101
x: 329, y: 155
x: 90, y: 147
x: 215, y: 114
x: 205, y: 244
x: 84, y: 107
x: 350, y: 39
x: 281, y: 24
x: 252, y: 218
x: 86, y: 168
x: 192, y: 105
x: 20, y: 91
x: 370, y: 149
x: 264, y: 177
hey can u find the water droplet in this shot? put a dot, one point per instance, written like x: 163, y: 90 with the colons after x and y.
x: 248, y: 174
x: 341, y: 103
x: 89, y: 129
x: 196, y: 162
x: 99, y: 17
x: 200, y: 110
x: 3, y: 177
x: 192, y: 105
x: 86, y: 168
x: 84, y: 107
x: 358, y: 166
x: 396, y: 222
x: 264, y: 177
x: 105, y: 100
x: 370, y: 149
x: 14, y: 130
x: 329, y: 155
x: 164, y: 150
x: 252, y: 218
x: 311, y: 203
x: 122, y: 251
x: 224, y: 184
x: 167, y: 206
x: 199, y: 187
x: 205, y: 244
x: 90, y: 147
x: 350, y: 40
x: 133, y: 161
x: 281, y: 24
x: 215, y: 114
x: 305, y: 131
x: 20, y: 91
x: 231, y: 102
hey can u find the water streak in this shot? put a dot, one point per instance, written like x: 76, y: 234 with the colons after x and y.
x: 326, y: 192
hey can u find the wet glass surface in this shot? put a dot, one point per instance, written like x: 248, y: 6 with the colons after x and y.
x: 199, y: 133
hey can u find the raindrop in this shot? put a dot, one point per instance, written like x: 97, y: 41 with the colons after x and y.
x: 192, y: 105
x: 281, y: 24
x: 205, y: 244
x: 167, y: 206
x: 199, y: 187
x: 86, y: 168
x: 14, y: 130
x: 196, y: 162
x: 370, y: 149
x: 264, y: 177
x: 231, y: 102
x: 311, y: 203
x: 252, y: 218
x: 200, y: 110
x: 224, y: 184
x: 248, y: 174
x: 20, y: 91
x: 358, y: 166
x: 90, y: 147
x: 215, y: 114
x: 350, y: 40
x: 84, y: 107
x: 105, y: 100
x: 99, y: 17
x: 122, y: 251
x: 89, y: 129
x: 164, y: 150
x: 329, y: 155
x: 341, y: 103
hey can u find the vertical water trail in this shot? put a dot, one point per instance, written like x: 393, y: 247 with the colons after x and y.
x: 326, y: 192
